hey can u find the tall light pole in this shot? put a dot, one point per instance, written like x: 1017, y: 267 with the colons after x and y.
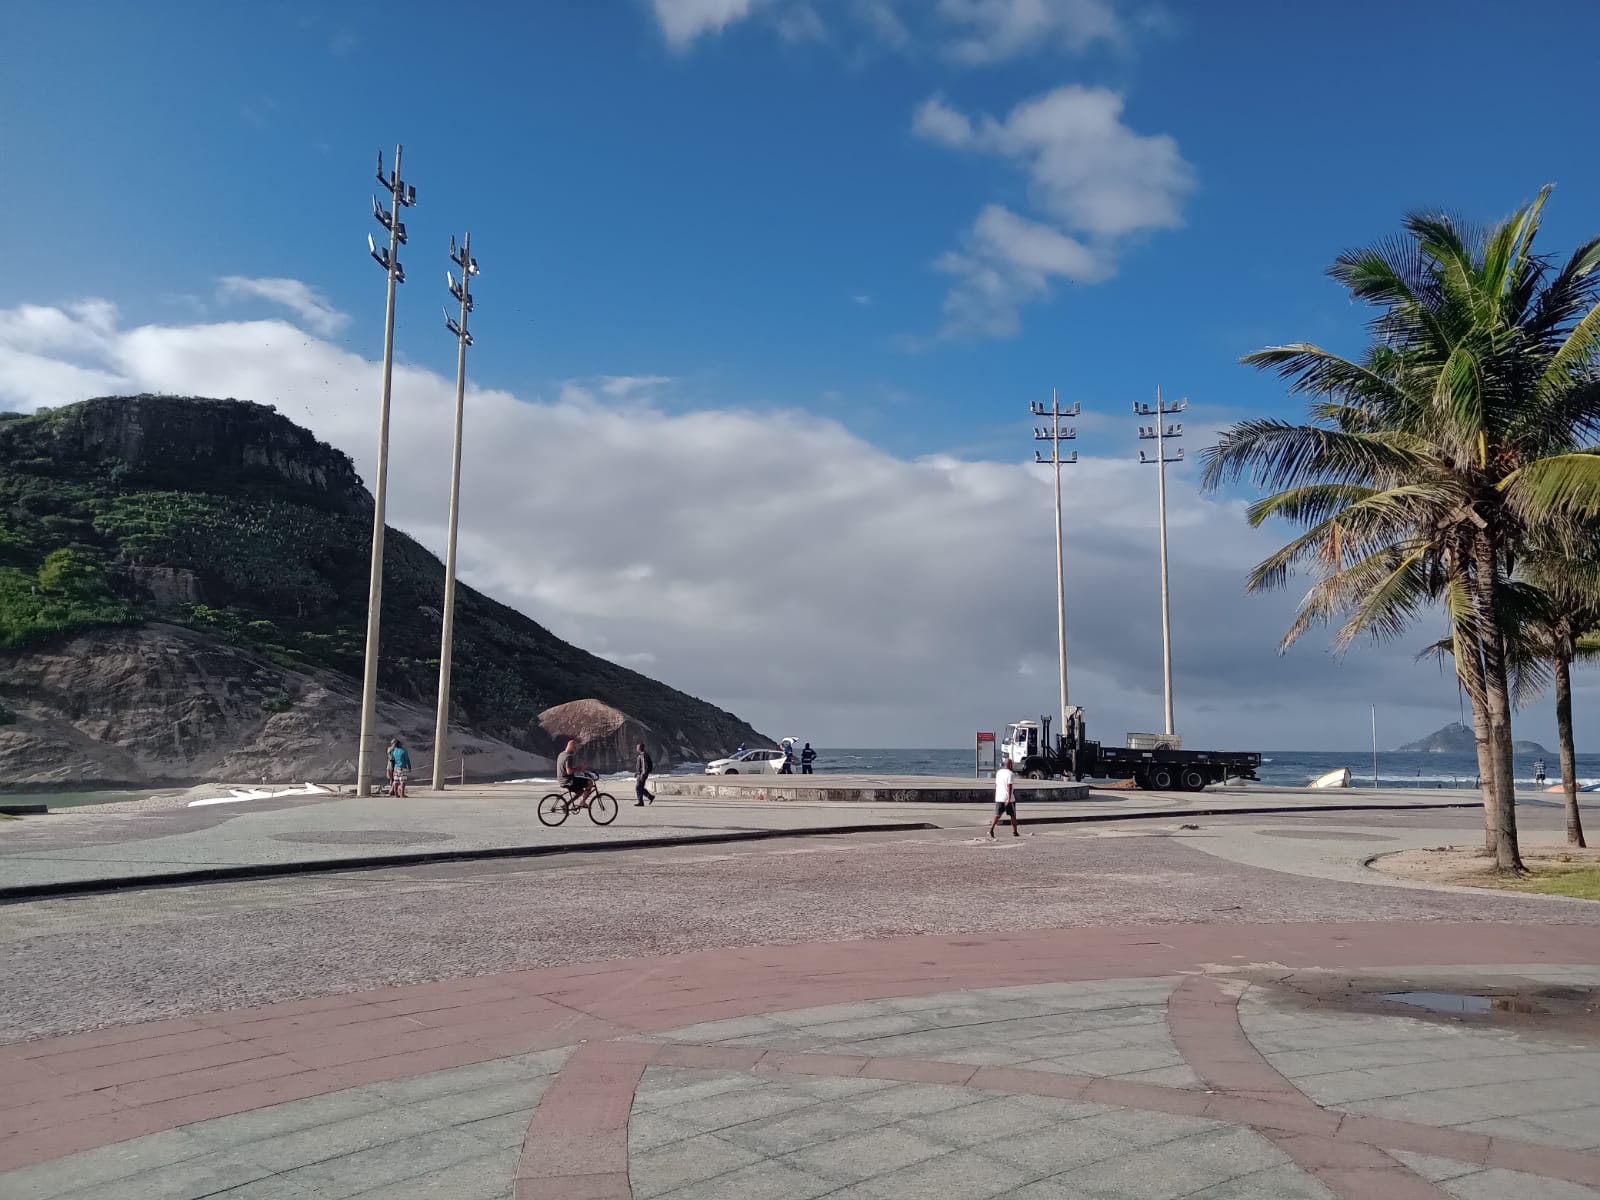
x: 1055, y: 436
x: 1160, y: 432
x: 400, y: 196
x: 462, y: 292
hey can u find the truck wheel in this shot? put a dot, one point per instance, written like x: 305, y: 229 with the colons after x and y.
x: 1037, y: 773
x: 1193, y: 779
x: 1161, y: 779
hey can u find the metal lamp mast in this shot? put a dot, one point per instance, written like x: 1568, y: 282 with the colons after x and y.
x: 1160, y: 432
x: 462, y: 292
x: 1054, y: 435
x: 400, y: 196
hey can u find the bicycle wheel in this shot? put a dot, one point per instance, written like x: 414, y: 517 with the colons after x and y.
x: 603, y: 808
x: 553, y: 808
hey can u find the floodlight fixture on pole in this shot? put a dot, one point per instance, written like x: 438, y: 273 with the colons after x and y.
x: 1054, y: 434
x: 462, y: 293
x: 1160, y: 432
x: 401, y: 196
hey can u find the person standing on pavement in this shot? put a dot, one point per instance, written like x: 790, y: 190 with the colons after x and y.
x: 788, y: 757
x: 1005, y: 798
x: 807, y: 757
x: 400, y: 768
x: 643, y: 766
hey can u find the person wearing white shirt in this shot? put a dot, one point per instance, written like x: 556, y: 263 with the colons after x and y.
x: 1005, y: 799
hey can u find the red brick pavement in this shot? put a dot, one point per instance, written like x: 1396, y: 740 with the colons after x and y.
x: 61, y: 1095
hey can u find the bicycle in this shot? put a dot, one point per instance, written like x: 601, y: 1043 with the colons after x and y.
x: 558, y: 806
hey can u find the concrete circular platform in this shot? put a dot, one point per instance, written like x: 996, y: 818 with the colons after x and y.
x: 863, y: 789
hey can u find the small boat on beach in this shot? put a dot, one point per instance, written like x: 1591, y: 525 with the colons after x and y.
x: 1333, y: 779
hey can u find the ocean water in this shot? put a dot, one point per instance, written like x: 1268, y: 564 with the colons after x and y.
x: 1288, y: 768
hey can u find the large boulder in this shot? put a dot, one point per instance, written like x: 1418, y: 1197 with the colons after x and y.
x: 606, y: 736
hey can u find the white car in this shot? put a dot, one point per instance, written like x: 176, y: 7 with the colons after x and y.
x: 748, y: 762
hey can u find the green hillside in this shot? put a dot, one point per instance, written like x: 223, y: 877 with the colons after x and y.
x: 227, y: 518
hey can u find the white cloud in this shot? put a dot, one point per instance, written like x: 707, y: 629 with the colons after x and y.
x: 1006, y: 262
x: 310, y: 305
x: 990, y: 31
x: 967, y: 32
x: 784, y: 568
x: 684, y: 21
x: 938, y: 122
x: 801, y: 23
x: 1098, y: 181
x: 623, y: 387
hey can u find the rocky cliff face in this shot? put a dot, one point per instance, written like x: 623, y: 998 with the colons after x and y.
x: 186, y: 444
x: 163, y: 706
x: 228, y: 524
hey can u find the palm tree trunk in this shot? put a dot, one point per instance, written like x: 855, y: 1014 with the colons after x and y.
x: 1469, y: 669
x: 1491, y: 810
x: 1497, y: 694
x: 1569, y: 753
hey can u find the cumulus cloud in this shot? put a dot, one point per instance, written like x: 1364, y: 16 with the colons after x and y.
x: 786, y: 569
x: 1097, y: 182
x: 684, y: 21
x: 316, y: 313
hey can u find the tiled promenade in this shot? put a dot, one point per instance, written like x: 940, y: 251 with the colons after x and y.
x: 1155, y: 1062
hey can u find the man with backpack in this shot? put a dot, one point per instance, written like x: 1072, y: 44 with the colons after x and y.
x: 643, y: 766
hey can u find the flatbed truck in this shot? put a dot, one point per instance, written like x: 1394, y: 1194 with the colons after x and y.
x: 1155, y: 767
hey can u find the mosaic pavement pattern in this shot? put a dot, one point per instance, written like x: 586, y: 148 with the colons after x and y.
x: 1182, y: 1085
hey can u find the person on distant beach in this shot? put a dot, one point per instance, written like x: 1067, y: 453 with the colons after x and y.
x: 1005, y: 799
x: 399, y: 768
x: 643, y: 765
x: 807, y: 757
x: 1538, y: 772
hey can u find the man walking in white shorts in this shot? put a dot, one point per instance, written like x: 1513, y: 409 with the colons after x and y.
x: 1005, y: 800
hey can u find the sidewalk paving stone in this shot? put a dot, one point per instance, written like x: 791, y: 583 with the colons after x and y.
x: 1126, y: 1087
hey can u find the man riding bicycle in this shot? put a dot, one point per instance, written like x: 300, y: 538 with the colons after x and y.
x: 570, y: 774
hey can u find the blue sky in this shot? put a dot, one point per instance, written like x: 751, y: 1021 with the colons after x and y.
x: 715, y: 210
x: 906, y: 216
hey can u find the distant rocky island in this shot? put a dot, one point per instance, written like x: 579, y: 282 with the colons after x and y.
x: 183, y: 590
x: 1456, y: 738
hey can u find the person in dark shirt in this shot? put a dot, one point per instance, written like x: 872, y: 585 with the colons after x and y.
x: 643, y: 766
x: 807, y: 757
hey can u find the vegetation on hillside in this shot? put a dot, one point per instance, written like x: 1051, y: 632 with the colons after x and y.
x: 109, y: 524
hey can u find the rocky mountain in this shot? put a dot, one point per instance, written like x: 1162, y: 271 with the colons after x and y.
x: 1456, y: 738
x: 183, y: 588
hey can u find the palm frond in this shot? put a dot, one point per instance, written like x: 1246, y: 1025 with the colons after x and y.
x: 1311, y: 370
x: 1562, y: 485
x: 1278, y: 455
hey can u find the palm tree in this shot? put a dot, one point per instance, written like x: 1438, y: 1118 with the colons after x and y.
x: 1553, y: 598
x: 1471, y: 415
x: 1564, y: 627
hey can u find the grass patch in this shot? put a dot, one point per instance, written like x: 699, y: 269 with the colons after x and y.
x: 1581, y: 883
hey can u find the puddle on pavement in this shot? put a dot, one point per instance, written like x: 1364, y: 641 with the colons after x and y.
x: 1463, y: 1003
x: 1509, y: 1002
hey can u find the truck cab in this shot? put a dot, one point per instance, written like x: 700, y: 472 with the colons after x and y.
x: 1021, y: 742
